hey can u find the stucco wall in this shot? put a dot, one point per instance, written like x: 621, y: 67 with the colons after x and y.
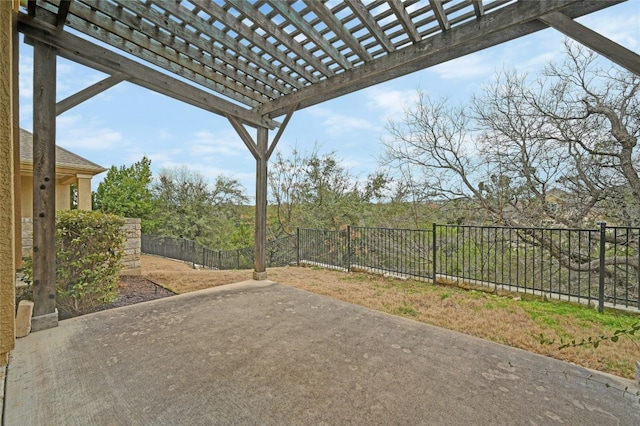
x: 8, y: 128
x: 63, y: 195
x: 26, y: 195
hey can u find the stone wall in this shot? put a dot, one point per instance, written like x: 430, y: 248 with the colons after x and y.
x: 27, y: 237
x: 130, y: 259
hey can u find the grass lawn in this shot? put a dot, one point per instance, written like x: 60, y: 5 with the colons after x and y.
x: 523, y: 321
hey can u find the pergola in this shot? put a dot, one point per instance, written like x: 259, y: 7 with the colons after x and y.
x: 256, y: 62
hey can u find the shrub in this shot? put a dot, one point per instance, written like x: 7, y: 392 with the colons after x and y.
x: 89, y: 248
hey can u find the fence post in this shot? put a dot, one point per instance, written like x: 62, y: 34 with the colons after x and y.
x: 433, y: 251
x: 348, y: 248
x: 298, y: 246
x: 603, y: 226
x: 238, y: 257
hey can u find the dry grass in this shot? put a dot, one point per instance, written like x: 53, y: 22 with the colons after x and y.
x: 500, y: 318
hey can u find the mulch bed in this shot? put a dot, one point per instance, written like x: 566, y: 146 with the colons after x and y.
x: 135, y: 289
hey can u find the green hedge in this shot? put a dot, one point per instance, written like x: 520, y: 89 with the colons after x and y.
x: 89, y: 249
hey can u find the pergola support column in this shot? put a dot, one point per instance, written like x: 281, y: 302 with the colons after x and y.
x: 260, y: 267
x: 261, y: 151
x: 45, y: 314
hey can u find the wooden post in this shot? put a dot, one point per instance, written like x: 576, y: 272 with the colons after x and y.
x: 260, y: 269
x: 44, y: 186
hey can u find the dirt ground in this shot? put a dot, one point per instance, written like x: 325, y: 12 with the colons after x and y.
x: 498, y: 318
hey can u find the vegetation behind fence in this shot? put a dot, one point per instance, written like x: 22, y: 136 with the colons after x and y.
x: 582, y: 265
x: 280, y: 252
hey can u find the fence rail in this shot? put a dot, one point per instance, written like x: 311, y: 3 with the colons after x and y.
x: 280, y: 252
x: 583, y: 265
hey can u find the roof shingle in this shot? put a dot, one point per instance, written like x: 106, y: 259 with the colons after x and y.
x: 64, y: 158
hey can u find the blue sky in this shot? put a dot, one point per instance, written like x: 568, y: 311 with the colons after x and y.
x: 126, y: 122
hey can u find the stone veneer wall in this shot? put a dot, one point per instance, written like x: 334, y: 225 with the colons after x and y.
x: 130, y: 258
x: 27, y: 237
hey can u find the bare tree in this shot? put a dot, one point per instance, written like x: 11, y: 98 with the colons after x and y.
x: 572, y: 131
x: 560, y: 147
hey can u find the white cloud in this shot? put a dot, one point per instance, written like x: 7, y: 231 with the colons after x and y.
x: 391, y: 102
x: 207, y: 143
x: 164, y: 135
x: 71, y: 78
x: 77, y: 132
x: 335, y: 123
x: 475, y: 65
x: 621, y: 28
x: 25, y: 77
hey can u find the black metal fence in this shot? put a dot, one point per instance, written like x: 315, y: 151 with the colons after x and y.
x: 583, y: 265
x: 280, y: 252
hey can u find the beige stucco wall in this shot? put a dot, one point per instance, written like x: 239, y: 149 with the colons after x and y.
x: 26, y: 195
x: 63, y: 195
x: 8, y: 95
x: 84, y: 193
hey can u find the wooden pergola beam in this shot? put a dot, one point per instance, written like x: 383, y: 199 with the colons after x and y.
x: 63, y: 11
x: 87, y: 53
x: 594, y: 41
x: 87, y: 93
x: 239, y: 27
x: 336, y: 26
x: 367, y: 20
x: 441, y: 16
x: 405, y: 20
x: 505, y: 24
x: 278, y: 33
x: 478, y: 8
x: 311, y: 33
x: 160, y: 48
x: 231, y: 44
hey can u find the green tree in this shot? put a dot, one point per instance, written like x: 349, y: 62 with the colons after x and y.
x: 191, y: 208
x: 126, y: 191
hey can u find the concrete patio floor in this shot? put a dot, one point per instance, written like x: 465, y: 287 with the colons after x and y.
x: 257, y: 353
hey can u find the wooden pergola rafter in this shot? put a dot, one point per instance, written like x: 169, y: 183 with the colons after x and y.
x: 253, y: 61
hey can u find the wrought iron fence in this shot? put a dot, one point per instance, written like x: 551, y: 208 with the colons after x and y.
x: 280, y: 252
x: 582, y: 265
